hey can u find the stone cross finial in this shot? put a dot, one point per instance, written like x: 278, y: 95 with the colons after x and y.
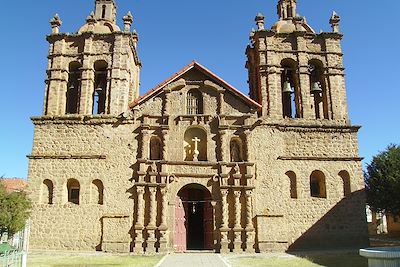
x: 55, y: 23
x: 135, y: 38
x: 196, y: 148
x: 260, y: 21
x: 128, y: 19
x: 335, y: 22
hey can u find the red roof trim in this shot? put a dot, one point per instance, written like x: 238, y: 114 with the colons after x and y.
x: 203, y: 69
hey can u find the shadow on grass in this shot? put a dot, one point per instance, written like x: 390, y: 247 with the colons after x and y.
x: 334, y: 259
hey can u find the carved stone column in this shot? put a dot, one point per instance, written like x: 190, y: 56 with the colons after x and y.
x: 139, y: 235
x: 145, y: 144
x: 238, y: 210
x: 153, y: 207
x: 164, y: 144
x: 250, y: 232
x: 249, y: 211
x: 224, y: 228
x: 151, y: 227
x: 224, y: 152
x: 163, y: 224
x: 237, y: 228
x: 225, y: 207
x: 247, y: 141
x: 140, y: 205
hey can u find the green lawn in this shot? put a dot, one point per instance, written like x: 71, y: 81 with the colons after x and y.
x: 91, y: 260
x: 329, y: 260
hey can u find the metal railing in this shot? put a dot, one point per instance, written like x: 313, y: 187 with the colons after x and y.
x: 12, y: 258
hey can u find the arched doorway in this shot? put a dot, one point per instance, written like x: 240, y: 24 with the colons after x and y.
x: 193, y: 219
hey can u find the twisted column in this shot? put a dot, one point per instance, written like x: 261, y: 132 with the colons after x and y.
x: 225, y: 211
x: 224, y: 154
x: 145, y: 144
x: 140, y: 236
x: 238, y: 210
x: 163, y: 224
x: 153, y: 207
x: 249, y: 216
x: 164, y: 145
x: 140, y: 206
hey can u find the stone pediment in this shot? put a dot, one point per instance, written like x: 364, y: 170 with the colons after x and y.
x: 194, y: 75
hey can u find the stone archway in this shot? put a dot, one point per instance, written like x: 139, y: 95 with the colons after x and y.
x: 193, y: 218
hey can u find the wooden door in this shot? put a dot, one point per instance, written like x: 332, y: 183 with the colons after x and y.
x: 180, y: 226
x: 208, y: 226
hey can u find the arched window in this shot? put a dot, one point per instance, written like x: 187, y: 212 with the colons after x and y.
x: 73, y: 188
x: 291, y: 98
x: 317, y: 184
x: 346, y: 182
x: 100, y: 87
x: 195, y: 145
x: 318, y: 89
x: 103, y: 11
x: 73, y: 88
x: 47, y: 192
x: 293, y: 183
x: 155, y: 148
x: 236, y: 150
x: 194, y: 102
x: 97, y: 192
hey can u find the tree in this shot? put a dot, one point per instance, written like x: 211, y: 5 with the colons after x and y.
x: 14, y: 211
x: 382, y: 179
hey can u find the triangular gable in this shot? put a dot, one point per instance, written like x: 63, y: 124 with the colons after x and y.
x: 194, y: 65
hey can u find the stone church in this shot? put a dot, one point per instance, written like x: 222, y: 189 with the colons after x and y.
x: 195, y: 164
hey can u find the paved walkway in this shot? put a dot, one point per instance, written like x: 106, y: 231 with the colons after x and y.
x: 193, y: 260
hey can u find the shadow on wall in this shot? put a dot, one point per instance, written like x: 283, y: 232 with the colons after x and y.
x: 343, y: 227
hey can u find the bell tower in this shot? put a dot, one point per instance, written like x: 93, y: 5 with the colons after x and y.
x: 95, y: 71
x: 106, y: 10
x: 295, y: 73
x: 287, y: 9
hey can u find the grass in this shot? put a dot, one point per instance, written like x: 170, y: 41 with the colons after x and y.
x: 92, y: 260
x: 313, y: 260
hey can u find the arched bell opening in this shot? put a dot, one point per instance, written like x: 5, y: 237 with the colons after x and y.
x: 318, y: 89
x: 193, y: 219
x: 291, y: 97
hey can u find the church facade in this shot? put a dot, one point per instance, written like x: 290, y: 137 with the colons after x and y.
x: 195, y: 163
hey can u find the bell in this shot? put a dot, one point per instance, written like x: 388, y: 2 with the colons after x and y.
x: 287, y: 88
x: 316, y: 89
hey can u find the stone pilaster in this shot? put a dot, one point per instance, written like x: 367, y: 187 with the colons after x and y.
x: 308, y: 109
x: 87, y: 81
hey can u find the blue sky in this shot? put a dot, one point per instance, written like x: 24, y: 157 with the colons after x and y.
x: 215, y: 33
